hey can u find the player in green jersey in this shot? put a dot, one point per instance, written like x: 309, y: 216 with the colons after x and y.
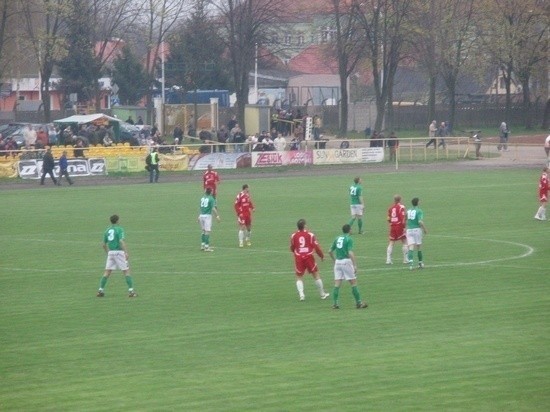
x: 357, y: 204
x: 345, y: 267
x: 415, y: 231
x: 114, y: 244
x: 207, y: 206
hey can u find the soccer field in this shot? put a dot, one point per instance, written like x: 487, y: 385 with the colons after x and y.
x: 225, y: 331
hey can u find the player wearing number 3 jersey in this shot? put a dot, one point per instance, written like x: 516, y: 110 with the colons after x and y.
x: 303, y: 245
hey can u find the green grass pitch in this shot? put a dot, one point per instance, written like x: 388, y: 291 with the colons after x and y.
x: 225, y: 331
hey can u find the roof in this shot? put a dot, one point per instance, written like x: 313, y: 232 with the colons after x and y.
x: 314, y: 60
x: 87, y: 118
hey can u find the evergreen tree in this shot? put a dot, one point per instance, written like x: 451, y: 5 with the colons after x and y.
x: 196, y: 54
x: 130, y: 77
x: 79, y: 67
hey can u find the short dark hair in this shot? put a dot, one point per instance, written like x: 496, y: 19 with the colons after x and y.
x: 245, y: 186
x: 208, y: 191
x: 114, y: 219
x: 301, y: 224
x: 415, y: 201
x: 356, y: 180
x: 346, y: 228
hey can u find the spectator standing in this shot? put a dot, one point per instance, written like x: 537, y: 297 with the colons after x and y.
x: 139, y: 121
x: 64, y: 169
x: 114, y: 244
x: 280, y: 143
x: 547, y: 148
x: 210, y: 180
x: 503, y: 135
x: 244, y: 207
x: 544, y: 187
x: 154, y: 166
x: 432, y: 130
x: 442, y: 132
x: 207, y: 207
x: 48, y: 164
x: 303, y: 245
x: 397, y: 219
x: 415, y: 231
x: 317, y: 125
x: 393, y: 145
x: 345, y: 267
x: 223, y: 135
x: 30, y: 136
x: 238, y: 138
x: 178, y: 135
x: 357, y: 204
x: 130, y: 120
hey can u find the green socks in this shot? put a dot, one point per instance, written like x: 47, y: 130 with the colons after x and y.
x: 356, y: 295
x: 335, y: 293
x: 129, y: 281
x: 103, y: 282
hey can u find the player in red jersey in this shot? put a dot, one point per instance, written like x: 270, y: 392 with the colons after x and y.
x: 397, y: 219
x: 244, y: 208
x: 303, y: 244
x: 210, y: 179
x: 544, y: 187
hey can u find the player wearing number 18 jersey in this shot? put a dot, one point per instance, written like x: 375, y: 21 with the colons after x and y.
x: 303, y: 244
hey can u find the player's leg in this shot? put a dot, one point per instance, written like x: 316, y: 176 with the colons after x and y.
x: 389, y: 252
x: 299, y: 281
x: 405, y: 249
x: 103, y: 283
x: 241, y: 232
x: 338, y: 277
x: 356, y: 295
x: 314, y: 270
x: 248, y: 233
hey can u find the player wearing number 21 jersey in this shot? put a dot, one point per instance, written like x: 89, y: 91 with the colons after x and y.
x: 303, y: 244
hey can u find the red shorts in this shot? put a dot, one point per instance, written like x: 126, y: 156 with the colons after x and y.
x: 301, y: 264
x: 397, y: 233
x: 244, y: 219
x: 543, y: 196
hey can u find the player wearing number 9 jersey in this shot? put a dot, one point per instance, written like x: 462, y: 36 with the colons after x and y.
x: 303, y: 244
x: 243, y: 208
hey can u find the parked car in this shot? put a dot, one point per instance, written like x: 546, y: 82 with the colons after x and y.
x: 17, y: 132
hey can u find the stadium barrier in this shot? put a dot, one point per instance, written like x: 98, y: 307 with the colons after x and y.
x: 124, y: 158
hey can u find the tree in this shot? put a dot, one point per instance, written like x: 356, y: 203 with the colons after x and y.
x: 109, y: 21
x: 244, y: 25
x: 129, y: 76
x: 456, y: 42
x: 43, y: 21
x: 196, y: 54
x: 383, y: 24
x: 159, y: 18
x: 8, y: 12
x: 79, y: 67
x: 349, y: 49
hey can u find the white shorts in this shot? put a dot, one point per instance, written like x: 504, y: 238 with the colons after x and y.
x: 206, y: 222
x: 343, y: 270
x: 357, y: 210
x: 116, y: 259
x: 414, y: 236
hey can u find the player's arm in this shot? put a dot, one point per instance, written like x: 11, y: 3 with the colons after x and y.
x: 352, y: 257
x: 423, y: 226
x: 215, y: 210
x: 124, y: 247
x: 319, y: 251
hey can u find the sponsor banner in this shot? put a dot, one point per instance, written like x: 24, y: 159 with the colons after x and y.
x: 8, y: 169
x: 344, y: 156
x: 293, y: 157
x: 172, y: 162
x: 32, y: 168
x: 220, y: 161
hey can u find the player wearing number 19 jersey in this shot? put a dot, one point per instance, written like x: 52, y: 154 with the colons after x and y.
x: 415, y: 230
x: 303, y: 244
